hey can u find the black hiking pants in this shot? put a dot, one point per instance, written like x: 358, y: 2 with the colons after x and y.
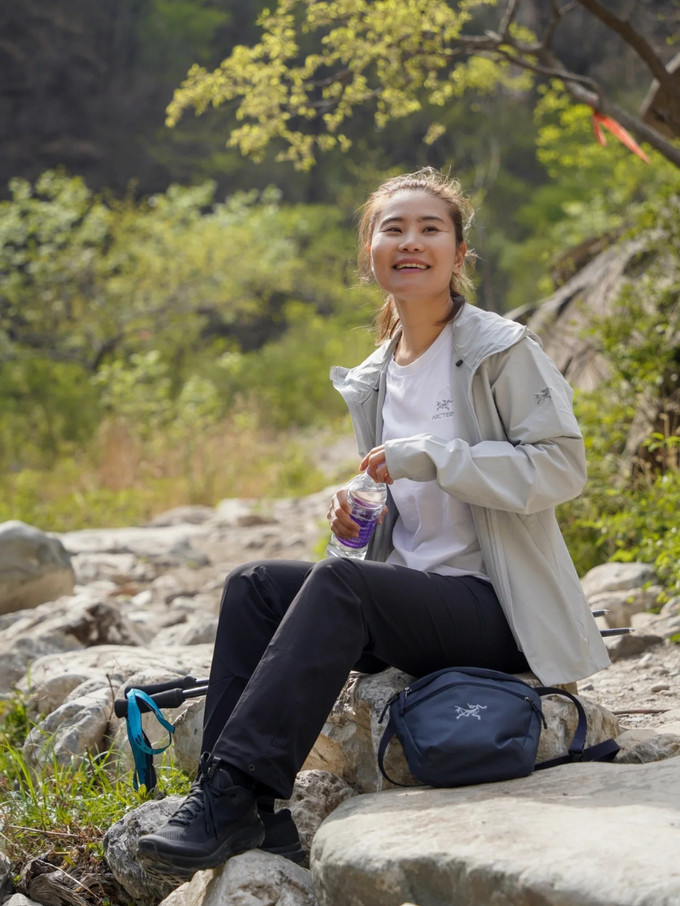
x: 290, y: 632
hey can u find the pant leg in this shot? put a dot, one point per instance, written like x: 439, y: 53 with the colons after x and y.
x: 255, y: 598
x: 344, y: 609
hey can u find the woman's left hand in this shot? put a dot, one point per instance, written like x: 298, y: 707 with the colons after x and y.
x: 374, y: 463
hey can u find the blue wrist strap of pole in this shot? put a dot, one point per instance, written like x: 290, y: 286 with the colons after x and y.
x: 142, y: 751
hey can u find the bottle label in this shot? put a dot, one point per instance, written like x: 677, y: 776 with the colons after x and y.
x: 366, y: 525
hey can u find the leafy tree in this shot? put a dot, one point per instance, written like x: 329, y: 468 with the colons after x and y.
x: 317, y: 63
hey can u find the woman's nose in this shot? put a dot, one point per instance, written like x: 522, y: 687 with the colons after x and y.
x: 410, y: 239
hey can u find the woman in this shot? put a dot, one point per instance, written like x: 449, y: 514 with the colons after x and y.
x: 471, y: 427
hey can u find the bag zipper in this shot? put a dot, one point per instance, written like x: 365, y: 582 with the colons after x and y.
x: 408, y: 690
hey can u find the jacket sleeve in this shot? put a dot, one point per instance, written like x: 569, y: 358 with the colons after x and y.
x: 538, y: 463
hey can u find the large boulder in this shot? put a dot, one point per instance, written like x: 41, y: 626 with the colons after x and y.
x: 577, y: 835
x: 34, y: 567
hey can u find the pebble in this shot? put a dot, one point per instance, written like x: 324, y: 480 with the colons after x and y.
x: 660, y: 687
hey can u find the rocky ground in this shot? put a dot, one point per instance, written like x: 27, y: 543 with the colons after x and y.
x: 641, y: 690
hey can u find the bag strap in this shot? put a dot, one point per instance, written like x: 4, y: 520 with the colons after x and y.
x: 142, y: 751
x: 382, y: 749
x: 578, y: 751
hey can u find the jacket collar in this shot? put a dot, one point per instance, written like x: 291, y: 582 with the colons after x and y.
x: 477, y: 334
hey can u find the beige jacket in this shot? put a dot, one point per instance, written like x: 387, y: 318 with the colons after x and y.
x: 518, y: 454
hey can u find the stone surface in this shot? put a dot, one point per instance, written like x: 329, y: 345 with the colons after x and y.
x: 316, y: 795
x: 252, y: 879
x: 120, y: 849
x: 611, y: 577
x: 576, y: 835
x: 75, y: 729
x: 34, y: 567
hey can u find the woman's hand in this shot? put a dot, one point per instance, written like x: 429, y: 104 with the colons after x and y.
x: 376, y: 466
x: 338, y: 515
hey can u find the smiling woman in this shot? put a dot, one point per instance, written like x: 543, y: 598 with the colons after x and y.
x: 470, y: 425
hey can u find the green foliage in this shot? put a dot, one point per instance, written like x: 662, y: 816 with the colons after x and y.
x: 318, y: 63
x: 62, y: 811
x: 592, y: 191
x: 149, y: 341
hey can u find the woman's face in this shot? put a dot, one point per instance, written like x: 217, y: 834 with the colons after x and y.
x: 413, y: 247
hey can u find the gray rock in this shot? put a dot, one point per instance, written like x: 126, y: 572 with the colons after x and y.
x: 623, y: 604
x: 120, y: 849
x: 252, y: 879
x: 76, y: 729
x: 6, y: 882
x: 656, y: 747
x: 577, y: 835
x: 316, y: 795
x: 631, y: 645
x: 18, y: 899
x: 68, y: 624
x: 612, y: 576
x: 34, y: 567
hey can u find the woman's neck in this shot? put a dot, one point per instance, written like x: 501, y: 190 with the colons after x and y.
x: 418, y: 333
x: 414, y: 341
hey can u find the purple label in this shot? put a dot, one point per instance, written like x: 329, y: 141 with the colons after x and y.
x: 366, y: 527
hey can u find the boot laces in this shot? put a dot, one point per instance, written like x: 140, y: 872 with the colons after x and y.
x: 200, y: 798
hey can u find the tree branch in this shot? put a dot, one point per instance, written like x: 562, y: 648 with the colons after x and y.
x: 596, y: 100
x: 635, y: 40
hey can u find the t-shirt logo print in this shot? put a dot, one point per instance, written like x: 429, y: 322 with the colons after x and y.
x: 470, y: 711
x: 443, y: 409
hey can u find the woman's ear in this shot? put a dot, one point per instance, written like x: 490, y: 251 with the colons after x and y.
x: 461, y: 251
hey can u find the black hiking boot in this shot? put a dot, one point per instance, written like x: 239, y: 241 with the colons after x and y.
x: 217, y: 820
x: 281, y: 836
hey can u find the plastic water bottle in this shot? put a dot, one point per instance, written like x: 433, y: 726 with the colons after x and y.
x: 367, y: 500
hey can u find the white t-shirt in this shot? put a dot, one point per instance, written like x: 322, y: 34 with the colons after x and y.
x: 434, y: 532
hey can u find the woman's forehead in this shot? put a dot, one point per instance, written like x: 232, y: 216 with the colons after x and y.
x: 413, y: 203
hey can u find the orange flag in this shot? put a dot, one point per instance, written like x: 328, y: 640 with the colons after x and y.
x: 617, y: 131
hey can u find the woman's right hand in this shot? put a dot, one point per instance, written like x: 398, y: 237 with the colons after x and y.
x: 338, y: 515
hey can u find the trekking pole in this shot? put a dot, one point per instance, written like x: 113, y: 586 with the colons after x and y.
x: 170, y: 694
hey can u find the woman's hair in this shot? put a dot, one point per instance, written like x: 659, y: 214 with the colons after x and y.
x: 440, y: 186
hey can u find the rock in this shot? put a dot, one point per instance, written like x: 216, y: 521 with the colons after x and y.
x: 180, y: 515
x: 623, y: 604
x: 655, y: 747
x: 6, y: 881
x: 68, y: 624
x: 666, y: 623
x: 18, y: 899
x: 77, y: 728
x: 612, y: 576
x: 34, y: 567
x: 570, y: 835
x: 316, y: 795
x: 188, y: 735
x: 631, y: 645
x: 252, y: 879
x: 120, y: 849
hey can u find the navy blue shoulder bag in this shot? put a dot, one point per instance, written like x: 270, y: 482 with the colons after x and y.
x: 470, y: 725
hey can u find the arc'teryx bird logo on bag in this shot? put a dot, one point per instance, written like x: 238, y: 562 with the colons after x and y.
x: 470, y: 711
